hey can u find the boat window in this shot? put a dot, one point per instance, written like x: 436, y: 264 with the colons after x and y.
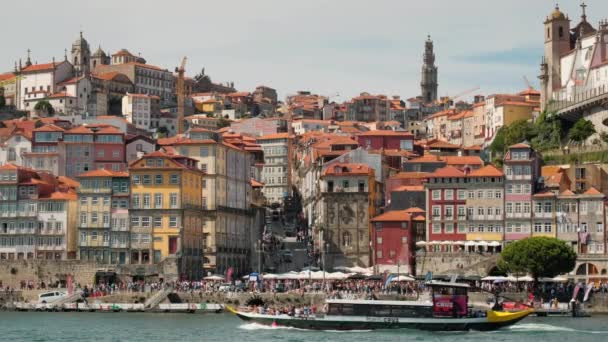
x: 348, y: 310
x: 334, y: 309
x: 381, y: 310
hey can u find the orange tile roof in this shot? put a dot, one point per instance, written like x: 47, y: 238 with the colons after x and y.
x: 544, y: 194
x: 592, y: 191
x: 387, y: 133
x: 409, y: 188
x: 520, y: 145
x: 529, y: 91
x: 49, y: 128
x: 448, y: 171
x: 567, y: 192
x: 517, y: 103
x: 256, y: 184
x: 61, y: 196
x: 274, y: 136
x: 108, y: 76
x: 60, y: 95
x: 9, y: 166
x: 7, y: 76
x: 463, y: 160
x: 123, y: 52
x: 393, y: 216
x: 40, y: 67
x: 347, y: 169
x: 486, y: 171
x: 104, y: 173
x: 473, y: 148
x: 442, y: 144
x: 148, y: 66
x: 109, y: 130
x: 415, y: 210
x: 80, y: 130
x: 71, y: 182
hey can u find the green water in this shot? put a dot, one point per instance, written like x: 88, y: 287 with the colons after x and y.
x: 42, y: 326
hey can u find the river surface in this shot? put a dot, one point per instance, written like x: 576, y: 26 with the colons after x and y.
x: 43, y: 326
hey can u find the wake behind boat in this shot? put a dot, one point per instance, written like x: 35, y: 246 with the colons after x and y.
x: 448, y: 311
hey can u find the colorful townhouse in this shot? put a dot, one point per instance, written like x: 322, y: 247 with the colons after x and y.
x: 103, y: 218
x: 166, y: 212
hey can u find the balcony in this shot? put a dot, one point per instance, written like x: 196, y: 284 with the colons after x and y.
x: 8, y: 214
x: 572, y: 101
x: 543, y: 215
x: 518, y: 215
x: 27, y: 214
x: 519, y: 177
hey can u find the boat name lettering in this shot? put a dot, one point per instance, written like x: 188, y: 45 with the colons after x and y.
x: 391, y: 320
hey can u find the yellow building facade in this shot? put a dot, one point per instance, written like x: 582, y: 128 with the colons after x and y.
x: 165, y: 212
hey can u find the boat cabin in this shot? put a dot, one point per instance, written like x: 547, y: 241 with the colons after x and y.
x: 378, y: 308
x: 449, y: 299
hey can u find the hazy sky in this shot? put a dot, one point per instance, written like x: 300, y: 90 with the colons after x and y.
x: 329, y: 47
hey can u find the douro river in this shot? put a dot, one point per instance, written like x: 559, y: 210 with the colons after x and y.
x: 42, y: 326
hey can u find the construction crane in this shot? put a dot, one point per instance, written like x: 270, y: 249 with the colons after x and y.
x: 448, y: 99
x: 180, y: 95
x: 527, y: 81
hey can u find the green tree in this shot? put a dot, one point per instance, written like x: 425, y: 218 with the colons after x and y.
x: 515, y: 133
x: 222, y: 122
x: 548, y: 130
x: 581, y: 130
x: 45, y: 107
x: 538, y: 256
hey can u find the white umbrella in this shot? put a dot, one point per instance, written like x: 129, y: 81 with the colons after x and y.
x: 558, y: 279
x: 337, y: 275
x: 470, y: 243
x: 270, y: 276
x: 494, y: 243
x: 460, y: 243
x: 434, y: 243
x: 214, y: 277
x: 402, y: 278
x: 494, y: 278
x: 421, y: 243
x: 446, y: 242
x: 482, y: 243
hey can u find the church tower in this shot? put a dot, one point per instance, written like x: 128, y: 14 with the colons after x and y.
x: 428, y: 83
x: 557, y: 42
x: 81, y: 56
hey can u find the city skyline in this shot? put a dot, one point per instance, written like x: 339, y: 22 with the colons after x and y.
x: 264, y: 44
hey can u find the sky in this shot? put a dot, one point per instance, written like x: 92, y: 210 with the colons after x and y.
x: 336, y: 48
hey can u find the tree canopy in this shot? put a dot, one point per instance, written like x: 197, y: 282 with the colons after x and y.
x: 45, y: 106
x: 544, y: 133
x: 538, y: 256
x: 512, y: 134
x: 222, y: 122
x: 581, y: 130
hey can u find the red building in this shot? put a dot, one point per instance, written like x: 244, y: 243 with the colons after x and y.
x: 394, y: 239
x: 392, y: 140
x: 443, y: 200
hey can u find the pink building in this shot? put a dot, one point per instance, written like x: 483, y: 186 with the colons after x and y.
x: 392, y: 140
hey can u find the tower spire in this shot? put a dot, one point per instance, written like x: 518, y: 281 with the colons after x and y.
x: 28, y: 62
x: 584, y: 15
x: 428, y: 83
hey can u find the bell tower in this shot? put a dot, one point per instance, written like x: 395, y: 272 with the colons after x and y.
x: 557, y: 42
x: 81, y: 56
x: 428, y: 82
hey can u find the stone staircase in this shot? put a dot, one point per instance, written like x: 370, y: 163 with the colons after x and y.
x: 157, y: 298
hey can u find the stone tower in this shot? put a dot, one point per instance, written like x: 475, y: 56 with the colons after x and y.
x: 557, y: 42
x: 99, y: 57
x: 428, y: 83
x: 81, y: 56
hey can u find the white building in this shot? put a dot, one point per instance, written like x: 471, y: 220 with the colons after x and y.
x: 12, y: 150
x: 275, y: 173
x: 139, y: 109
x: 39, y: 81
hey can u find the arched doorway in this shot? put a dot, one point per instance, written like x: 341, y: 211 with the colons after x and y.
x: 586, y: 269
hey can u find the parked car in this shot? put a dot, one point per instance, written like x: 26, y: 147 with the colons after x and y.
x: 50, y: 297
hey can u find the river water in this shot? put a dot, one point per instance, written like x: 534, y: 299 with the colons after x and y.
x: 42, y: 326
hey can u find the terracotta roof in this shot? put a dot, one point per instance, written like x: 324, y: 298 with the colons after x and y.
x: 553, y: 175
x: 544, y: 194
x: 567, y: 192
x: 61, y: 196
x: 473, y: 148
x: 7, y: 76
x: 123, y: 52
x: 347, y: 169
x: 393, y: 216
x: 109, y: 130
x: 409, y: 188
x: 256, y: 184
x: 414, y: 210
x: 387, y: 133
x: 463, y: 160
x: 529, y: 91
x: 274, y: 136
x: 442, y: 144
x: 103, y: 173
x: 9, y: 166
x: 108, y: 76
x: 520, y: 145
x: 148, y: 66
x: 60, y: 95
x: 448, y: 171
x: 517, y: 103
x: 487, y: 171
x: 40, y: 67
x: 80, y: 130
x: 593, y: 191
x: 49, y: 128
x: 71, y: 182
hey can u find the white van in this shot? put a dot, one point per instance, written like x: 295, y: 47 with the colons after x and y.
x: 50, y: 297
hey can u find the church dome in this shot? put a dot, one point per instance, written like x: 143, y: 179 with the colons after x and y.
x: 557, y: 14
x: 99, y: 53
x: 80, y: 42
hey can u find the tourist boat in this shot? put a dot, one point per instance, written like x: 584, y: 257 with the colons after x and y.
x: 448, y: 311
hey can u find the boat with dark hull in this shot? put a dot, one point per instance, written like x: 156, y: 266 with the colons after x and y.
x: 448, y: 311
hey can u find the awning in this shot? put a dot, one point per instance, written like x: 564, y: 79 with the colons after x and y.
x: 470, y: 243
x: 494, y: 243
x: 421, y: 243
x: 460, y: 243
